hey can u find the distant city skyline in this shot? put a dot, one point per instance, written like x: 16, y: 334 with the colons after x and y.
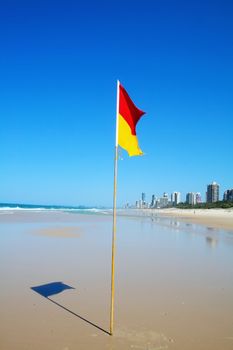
x: 192, y: 198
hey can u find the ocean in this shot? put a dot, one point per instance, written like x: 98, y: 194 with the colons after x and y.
x: 38, y: 207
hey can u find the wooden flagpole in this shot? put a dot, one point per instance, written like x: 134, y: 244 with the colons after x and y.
x: 114, y: 216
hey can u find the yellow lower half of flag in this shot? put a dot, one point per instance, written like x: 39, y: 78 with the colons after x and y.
x: 125, y: 138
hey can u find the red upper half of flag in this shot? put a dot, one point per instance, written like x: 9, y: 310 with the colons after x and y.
x: 128, y: 110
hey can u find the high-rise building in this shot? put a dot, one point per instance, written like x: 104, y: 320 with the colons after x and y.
x: 191, y: 198
x: 143, y: 197
x: 172, y: 198
x: 163, y: 201
x: 175, y: 198
x: 153, y: 201
x: 228, y: 195
x: 225, y: 195
x: 198, y: 198
x: 212, y: 194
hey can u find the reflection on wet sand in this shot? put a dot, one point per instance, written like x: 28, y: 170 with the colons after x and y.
x: 211, y: 241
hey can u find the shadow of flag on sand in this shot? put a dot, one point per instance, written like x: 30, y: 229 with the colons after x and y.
x: 47, y: 290
x: 53, y: 288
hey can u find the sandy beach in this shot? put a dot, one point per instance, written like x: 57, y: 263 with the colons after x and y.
x: 174, y: 281
x: 214, y: 218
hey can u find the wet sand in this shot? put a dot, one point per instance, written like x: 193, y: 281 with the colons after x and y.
x: 215, y: 218
x: 174, y: 283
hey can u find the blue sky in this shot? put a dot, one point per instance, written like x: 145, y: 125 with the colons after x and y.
x: 59, y: 64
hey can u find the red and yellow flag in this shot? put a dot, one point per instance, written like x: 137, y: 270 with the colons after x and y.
x: 128, y: 116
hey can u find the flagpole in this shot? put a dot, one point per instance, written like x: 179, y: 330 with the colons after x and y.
x: 114, y: 216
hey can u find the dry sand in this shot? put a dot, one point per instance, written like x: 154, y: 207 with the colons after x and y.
x: 174, y: 283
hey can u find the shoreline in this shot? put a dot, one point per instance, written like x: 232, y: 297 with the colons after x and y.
x: 214, y: 218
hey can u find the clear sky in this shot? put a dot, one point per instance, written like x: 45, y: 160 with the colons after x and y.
x: 59, y: 64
